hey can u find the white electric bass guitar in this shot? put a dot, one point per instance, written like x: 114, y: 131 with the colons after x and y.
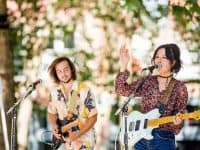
x: 140, y: 125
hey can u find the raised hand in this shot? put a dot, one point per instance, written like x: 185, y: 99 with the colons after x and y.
x: 124, y: 57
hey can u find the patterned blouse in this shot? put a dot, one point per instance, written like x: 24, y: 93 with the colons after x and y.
x: 81, y: 105
x: 152, y: 97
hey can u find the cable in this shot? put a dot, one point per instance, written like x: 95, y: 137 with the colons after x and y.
x: 116, y: 138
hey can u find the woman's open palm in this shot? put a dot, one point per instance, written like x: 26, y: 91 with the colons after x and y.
x: 124, y: 57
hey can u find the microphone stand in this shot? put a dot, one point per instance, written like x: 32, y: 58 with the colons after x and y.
x: 124, y: 109
x: 13, y: 112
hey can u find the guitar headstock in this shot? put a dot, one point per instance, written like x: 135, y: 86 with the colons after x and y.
x: 195, y: 115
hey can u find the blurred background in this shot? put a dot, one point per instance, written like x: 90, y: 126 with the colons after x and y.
x: 90, y: 32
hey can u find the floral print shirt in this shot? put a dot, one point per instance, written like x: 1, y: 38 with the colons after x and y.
x: 152, y: 97
x: 81, y: 105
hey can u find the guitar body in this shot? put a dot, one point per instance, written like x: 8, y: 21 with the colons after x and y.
x: 56, y: 143
x: 61, y: 124
x: 137, y: 126
x: 140, y: 125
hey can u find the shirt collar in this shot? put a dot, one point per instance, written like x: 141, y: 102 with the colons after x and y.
x: 74, y: 86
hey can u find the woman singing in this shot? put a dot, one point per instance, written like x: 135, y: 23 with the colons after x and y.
x: 153, y: 91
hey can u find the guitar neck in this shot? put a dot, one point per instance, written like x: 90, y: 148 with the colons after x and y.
x: 164, y: 120
x: 68, y: 126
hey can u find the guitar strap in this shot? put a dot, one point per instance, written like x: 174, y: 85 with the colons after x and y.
x: 72, y: 105
x: 166, y: 96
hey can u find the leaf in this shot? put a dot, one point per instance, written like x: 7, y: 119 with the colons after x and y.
x: 182, y: 15
x: 133, y: 5
x: 195, y: 8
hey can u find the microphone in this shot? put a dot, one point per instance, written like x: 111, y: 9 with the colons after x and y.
x: 32, y: 87
x: 151, y: 68
x: 34, y: 84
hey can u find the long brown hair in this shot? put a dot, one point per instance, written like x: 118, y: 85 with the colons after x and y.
x: 52, y: 69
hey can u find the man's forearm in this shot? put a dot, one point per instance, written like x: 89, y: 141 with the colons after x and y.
x: 66, y: 127
x: 52, y: 119
x: 89, y: 123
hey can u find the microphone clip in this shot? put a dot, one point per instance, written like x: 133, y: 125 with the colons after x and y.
x: 151, y: 68
x: 34, y: 84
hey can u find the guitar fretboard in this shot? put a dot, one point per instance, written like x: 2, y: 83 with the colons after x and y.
x: 164, y: 120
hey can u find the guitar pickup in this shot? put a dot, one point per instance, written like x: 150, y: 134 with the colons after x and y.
x: 131, y: 126
x: 145, y: 123
x: 137, y: 126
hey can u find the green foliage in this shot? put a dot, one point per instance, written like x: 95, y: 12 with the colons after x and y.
x: 113, y: 117
x: 133, y: 5
x: 34, y: 26
x: 84, y: 74
x: 188, y: 22
x: 181, y: 14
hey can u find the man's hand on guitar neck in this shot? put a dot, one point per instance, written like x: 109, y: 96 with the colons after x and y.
x: 55, y: 132
x: 53, y: 119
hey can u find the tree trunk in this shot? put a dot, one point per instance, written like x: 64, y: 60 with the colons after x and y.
x: 6, y: 70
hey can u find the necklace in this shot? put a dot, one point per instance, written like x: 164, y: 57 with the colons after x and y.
x: 166, y: 76
x: 167, y: 79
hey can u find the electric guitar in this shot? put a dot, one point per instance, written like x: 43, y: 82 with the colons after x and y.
x: 140, y: 125
x: 63, y: 127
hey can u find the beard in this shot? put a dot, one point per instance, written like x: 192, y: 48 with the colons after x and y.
x: 67, y: 80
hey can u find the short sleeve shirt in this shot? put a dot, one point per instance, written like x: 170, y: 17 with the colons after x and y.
x: 81, y: 105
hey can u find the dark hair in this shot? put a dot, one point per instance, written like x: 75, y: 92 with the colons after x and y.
x: 52, y: 69
x: 172, y: 52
